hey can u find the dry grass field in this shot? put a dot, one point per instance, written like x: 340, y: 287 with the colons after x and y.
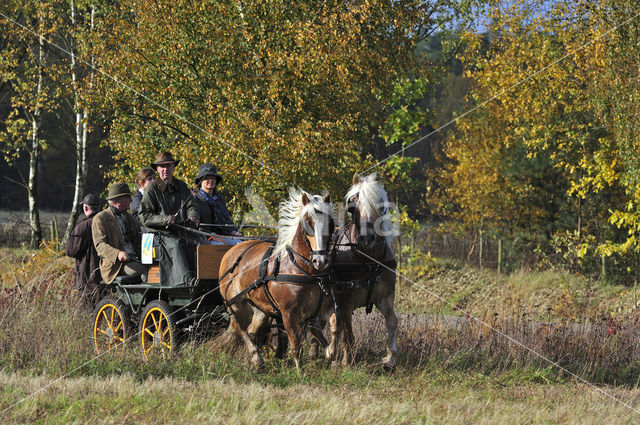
x: 423, y: 397
x: 451, y: 368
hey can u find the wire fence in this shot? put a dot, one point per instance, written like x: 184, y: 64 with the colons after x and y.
x: 15, y: 228
x: 506, y: 255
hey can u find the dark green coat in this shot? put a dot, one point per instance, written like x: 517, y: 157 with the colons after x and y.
x: 160, y: 201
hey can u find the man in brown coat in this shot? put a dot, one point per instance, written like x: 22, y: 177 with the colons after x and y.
x: 116, y: 236
x: 80, y: 246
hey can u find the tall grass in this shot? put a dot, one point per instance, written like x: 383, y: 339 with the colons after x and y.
x: 45, y: 329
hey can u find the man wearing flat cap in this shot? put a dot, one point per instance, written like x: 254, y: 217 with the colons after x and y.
x: 166, y: 204
x: 80, y: 246
x: 116, y: 236
x: 214, y: 214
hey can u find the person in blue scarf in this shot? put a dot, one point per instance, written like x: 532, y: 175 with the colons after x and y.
x: 214, y: 214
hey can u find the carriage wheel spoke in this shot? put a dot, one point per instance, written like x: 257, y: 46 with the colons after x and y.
x: 166, y: 345
x: 104, y: 313
x: 148, y: 331
x: 159, y: 327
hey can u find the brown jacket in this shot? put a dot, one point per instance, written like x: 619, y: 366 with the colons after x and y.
x: 108, y: 241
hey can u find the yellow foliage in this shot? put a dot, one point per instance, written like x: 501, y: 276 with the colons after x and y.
x: 544, y: 135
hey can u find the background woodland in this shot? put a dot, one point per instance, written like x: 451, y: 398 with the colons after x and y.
x: 543, y: 154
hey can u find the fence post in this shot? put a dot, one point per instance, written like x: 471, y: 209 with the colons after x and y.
x: 54, y: 230
x: 604, y: 267
x: 499, y: 256
x: 480, y: 249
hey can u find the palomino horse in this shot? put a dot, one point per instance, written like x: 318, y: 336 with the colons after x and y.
x: 262, y: 281
x: 364, y: 267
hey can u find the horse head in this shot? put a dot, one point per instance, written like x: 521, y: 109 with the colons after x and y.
x: 306, y: 220
x: 369, y: 208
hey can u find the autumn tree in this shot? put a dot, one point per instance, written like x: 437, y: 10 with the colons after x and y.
x: 277, y: 93
x: 25, y: 67
x: 616, y: 91
x: 536, y: 156
x: 77, y: 75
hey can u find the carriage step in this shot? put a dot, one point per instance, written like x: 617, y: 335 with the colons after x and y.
x: 126, y: 280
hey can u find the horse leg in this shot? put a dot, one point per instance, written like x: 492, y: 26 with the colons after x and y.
x: 257, y: 326
x: 231, y: 336
x: 334, y: 327
x: 317, y: 339
x: 241, y: 324
x: 295, y: 331
x: 347, y: 343
x: 385, y: 306
x: 283, y: 341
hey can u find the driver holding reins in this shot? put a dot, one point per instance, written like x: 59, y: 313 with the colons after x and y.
x: 166, y: 202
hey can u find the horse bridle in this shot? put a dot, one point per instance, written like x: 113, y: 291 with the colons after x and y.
x: 309, y: 231
x: 354, y: 221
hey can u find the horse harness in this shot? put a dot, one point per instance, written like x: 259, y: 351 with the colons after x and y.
x: 262, y: 280
x: 371, y: 269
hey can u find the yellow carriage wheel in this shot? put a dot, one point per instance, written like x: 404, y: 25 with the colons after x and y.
x: 158, y: 333
x: 111, y: 325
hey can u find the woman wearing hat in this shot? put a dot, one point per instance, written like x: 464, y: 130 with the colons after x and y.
x: 214, y: 214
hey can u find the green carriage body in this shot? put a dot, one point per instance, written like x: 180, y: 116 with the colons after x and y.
x: 163, y: 315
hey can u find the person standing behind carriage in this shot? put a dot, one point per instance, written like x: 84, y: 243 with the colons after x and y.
x: 167, y: 202
x: 116, y: 236
x: 143, y: 179
x: 213, y: 208
x: 80, y: 246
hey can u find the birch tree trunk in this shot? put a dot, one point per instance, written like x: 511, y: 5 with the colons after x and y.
x: 81, y: 112
x: 36, y: 148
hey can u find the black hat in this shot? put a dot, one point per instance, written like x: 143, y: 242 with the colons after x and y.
x: 118, y: 189
x: 207, y: 170
x: 90, y: 199
x: 164, y: 158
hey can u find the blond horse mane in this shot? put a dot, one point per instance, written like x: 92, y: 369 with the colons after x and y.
x: 372, y: 200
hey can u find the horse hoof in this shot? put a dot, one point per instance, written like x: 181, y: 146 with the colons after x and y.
x: 257, y: 362
x: 329, y: 354
x: 389, y: 367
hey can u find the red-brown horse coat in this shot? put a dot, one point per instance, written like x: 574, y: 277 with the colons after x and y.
x: 296, y: 302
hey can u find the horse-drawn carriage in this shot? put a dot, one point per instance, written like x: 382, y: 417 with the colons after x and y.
x: 315, y: 272
x: 162, y: 313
